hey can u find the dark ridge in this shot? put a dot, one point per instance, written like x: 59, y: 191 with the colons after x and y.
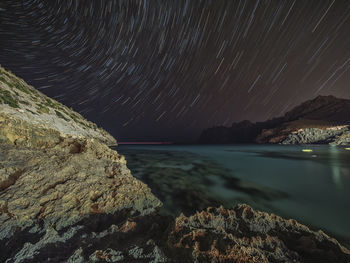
x: 325, y: 111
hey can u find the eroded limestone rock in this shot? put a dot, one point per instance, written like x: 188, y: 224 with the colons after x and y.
x: 53, y: 197
x: 245, y: 235
x: 30, y: 118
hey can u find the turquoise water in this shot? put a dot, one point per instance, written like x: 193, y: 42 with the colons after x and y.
x: 312, y: 187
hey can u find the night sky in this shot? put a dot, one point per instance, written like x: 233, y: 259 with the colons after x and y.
x: 164, y: 70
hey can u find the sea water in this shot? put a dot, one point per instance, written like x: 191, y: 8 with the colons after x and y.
x: 308, y: 183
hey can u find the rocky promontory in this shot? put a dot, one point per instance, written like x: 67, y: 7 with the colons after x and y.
x: 323, y: 120
x: 30, y: 118
x: 65, y: 196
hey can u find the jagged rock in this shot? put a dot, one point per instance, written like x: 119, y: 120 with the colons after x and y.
x: 65, y: 195
x: 314, y: 136
x: 108, y: 255
x: 342, y: 139
x: 55, y: 196
x: 245, y: 235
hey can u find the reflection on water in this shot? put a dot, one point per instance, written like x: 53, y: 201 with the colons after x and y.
x: 333, y: 156
x: 310, y: 186
x: 334, y: 152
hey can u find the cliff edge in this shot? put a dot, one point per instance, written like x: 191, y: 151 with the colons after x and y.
x: 64, y: 194
x: 28, y: 117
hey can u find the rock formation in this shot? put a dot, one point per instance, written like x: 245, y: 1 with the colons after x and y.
x: 65, y: 196
x: 323, y: 120
x: 244, y: 235
x: 28, y: 117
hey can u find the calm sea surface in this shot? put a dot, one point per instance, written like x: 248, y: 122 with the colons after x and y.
x: 312, y: 187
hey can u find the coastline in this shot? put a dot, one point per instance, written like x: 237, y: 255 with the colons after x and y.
x: 68, y: 197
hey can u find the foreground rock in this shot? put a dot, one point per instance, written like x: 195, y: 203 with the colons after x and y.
x: 323, y: 120
x: 64, y: 195
x: 244, y: 235
x: 62, y: 199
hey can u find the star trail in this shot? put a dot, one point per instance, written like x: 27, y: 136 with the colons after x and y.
x: 163, y: 70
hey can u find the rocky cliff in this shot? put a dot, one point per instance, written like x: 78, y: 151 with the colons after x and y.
x: 28, y: 117
x: 66, y: 196
x: 73, y: 198
x: 323, y: 120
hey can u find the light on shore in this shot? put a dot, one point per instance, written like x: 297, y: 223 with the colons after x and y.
x: 307, y: 150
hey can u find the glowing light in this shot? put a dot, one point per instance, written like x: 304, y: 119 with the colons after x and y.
x: 307, y: 150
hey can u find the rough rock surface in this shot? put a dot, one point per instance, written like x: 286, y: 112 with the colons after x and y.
x: 65, y: 195
x: 323, y: 120
x: 317, y: 136
x: 244, y: 235
x: 58, y: 197
x: 28, y: 117
x: 306, y: 132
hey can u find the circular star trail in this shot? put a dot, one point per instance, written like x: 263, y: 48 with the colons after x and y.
x: 164, y: 70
